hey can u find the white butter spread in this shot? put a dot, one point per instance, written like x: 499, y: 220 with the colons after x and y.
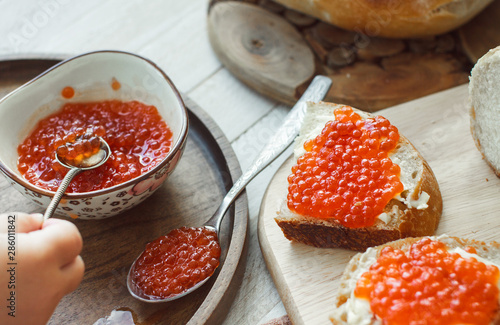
x: 356, y: 310
x: 299, y: 150
x: 396, y: 160
x: 387, y: 217
x: 355, y: 317
x: 465, y: 254
x: 420, y: 203
x: 384, y: 217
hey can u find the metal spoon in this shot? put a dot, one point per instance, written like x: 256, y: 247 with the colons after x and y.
x: 91, y: 162
x: 283, y: 137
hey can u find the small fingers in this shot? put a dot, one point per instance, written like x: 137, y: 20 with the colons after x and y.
x: 72, y: 274
x: 28, y: 222
x: 20, y: 222
x: 62, y: 239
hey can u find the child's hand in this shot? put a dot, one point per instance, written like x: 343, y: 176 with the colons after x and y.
x: 37, y: 267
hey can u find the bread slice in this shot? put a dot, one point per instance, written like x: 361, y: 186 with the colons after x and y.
x: 484, y: 95
x: 350, y: 310
x: 415, y: 212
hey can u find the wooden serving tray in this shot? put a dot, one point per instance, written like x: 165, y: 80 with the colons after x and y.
x: 307, y: 278
x: 188, y: 198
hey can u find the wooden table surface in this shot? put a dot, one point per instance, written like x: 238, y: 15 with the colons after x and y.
x: 174, y: 35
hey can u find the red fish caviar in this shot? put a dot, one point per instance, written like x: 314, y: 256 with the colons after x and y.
x: 115, y: 84
x: 346, y: 173
x: 176, y: 262
x: 138, y: 138
x: 430, y: 285
x: 80, y: 146
x: 68, y: 92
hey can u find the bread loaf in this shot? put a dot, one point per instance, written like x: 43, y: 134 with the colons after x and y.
x: 484, y: 94
x: 413, y: 212
x: 355, y: 310
x: 392, y: 18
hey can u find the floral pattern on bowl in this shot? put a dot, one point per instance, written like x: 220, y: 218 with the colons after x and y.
x: 107, y: 205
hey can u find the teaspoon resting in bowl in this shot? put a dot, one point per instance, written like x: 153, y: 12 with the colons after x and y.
x: 96, y: 155
x: 174, y: 265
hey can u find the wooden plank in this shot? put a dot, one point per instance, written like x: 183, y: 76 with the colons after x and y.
x: 257, y: 300
x: 171, y: 33
x: 438, y: 125
x: 231, y: 103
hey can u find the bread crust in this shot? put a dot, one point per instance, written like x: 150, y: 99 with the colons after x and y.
x: 392, y: 18
x: 485, y: 250
x: 412, y: 222
x: 478, y: 144
x: 479, y: 88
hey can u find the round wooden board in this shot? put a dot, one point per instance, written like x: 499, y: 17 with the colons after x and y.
x: 260, y: 49
x: 277, y: 52
x: 192, y: 193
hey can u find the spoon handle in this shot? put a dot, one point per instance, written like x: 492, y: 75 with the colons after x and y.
x: 283, y: 137
x: 60, y: 192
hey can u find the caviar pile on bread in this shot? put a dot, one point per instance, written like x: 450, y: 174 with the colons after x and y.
x: 426, y: 280
x: 484, y: 94
x: 394, y: 18
x: 357, y: 183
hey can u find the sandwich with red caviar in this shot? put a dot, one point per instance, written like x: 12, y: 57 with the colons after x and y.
x: 357, y: 183
x: 426, y: 280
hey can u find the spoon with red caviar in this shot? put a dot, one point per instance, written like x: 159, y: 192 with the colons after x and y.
x: 174, y: 265
x: 80, y: 153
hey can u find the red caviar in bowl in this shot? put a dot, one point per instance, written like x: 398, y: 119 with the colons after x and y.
x: 68, y: 92
x: 176, y: 262
x: 430, y: 285
x: 115, y: 84
x: 138, y: 138
x: 346, y: 173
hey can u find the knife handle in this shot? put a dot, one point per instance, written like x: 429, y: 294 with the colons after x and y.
x: 281, y: 140
x: 283, y: 137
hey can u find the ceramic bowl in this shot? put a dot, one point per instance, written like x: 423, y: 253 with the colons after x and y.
x: 91, y: 75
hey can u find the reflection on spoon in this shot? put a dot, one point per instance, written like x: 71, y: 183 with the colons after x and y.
x: 77, y: 161
x: 158, y: 256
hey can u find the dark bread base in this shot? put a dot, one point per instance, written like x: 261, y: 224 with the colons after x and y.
x: 318, y: 235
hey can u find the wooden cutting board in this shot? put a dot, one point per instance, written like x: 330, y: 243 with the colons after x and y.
x: 307, y: 278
